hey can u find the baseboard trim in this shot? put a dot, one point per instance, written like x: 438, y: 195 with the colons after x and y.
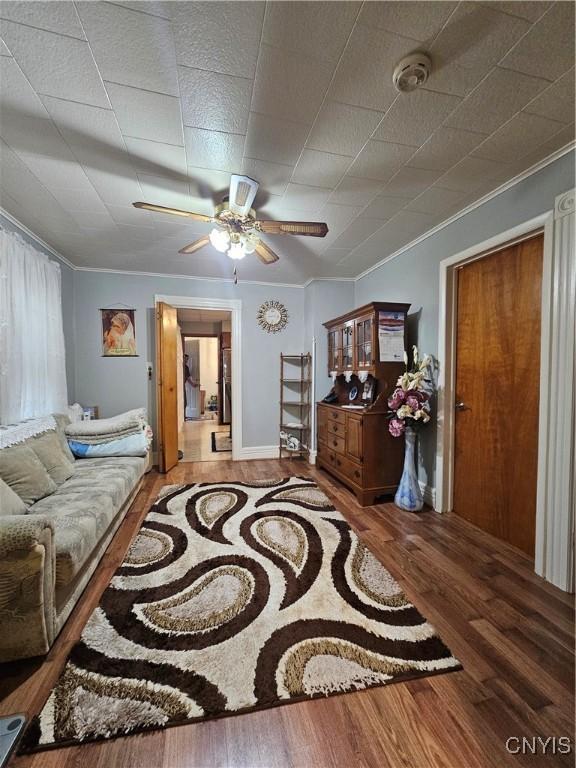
x: 259, y: 452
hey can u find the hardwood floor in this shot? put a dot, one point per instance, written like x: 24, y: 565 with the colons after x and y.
x: 195, y: 441
x: 512, y: 632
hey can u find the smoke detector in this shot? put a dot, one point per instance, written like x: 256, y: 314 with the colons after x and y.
x: 412, y: 72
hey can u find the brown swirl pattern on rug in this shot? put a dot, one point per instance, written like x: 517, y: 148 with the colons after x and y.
x: 235, y: 596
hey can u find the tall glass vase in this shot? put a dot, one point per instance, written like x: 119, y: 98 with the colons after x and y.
x: 409, y: 496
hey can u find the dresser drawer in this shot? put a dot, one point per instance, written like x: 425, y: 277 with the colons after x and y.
x: 336, y: 416
x: 336, y: 443
x: 335, y: 429
x: 341, y: 465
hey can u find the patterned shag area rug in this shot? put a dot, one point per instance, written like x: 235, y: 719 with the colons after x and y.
x: 233, y: 597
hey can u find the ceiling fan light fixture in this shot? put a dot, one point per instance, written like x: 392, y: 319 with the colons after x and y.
x: 220, y: 239
x: 236, y: 251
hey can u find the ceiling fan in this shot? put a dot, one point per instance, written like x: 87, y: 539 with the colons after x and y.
x: 237, y: 231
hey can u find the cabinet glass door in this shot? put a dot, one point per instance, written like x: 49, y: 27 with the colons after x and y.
x: 364, y: 342
x: 334, y: 349
x: 348, y: 346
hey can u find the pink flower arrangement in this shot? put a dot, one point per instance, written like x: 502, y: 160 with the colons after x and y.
x: 411, y: 397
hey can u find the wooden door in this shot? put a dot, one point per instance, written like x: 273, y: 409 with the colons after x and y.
x: 497, y: 392
x: 354, y: 437
x: 167, y: 393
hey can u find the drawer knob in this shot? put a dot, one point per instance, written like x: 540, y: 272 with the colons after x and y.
x: 338, y: 462
x: 335, y: 443
x: 357, y: 474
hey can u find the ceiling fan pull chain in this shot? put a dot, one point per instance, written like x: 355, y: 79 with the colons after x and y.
x: 235, y: 277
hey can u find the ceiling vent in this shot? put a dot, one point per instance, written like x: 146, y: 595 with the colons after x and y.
x: 412, y: 72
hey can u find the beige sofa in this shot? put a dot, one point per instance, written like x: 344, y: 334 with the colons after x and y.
x: 48, y: 554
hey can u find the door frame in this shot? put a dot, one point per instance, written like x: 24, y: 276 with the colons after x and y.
x: 234, y: 306
x: 549, y: 519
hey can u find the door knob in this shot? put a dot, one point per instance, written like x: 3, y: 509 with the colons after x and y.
x: 461, y: 406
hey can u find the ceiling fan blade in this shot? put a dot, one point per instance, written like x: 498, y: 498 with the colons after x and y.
x: 173, y: 211
x: 309, y: 228
x: 196, y: 245
x: 265, y: 254
x: 243, y: 190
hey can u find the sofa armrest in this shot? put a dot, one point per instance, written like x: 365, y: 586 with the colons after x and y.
x: 27, y: 586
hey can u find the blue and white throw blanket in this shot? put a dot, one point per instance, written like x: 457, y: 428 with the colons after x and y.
x: 127, y: 434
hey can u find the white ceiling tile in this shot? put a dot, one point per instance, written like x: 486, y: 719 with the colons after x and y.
x: 548, y: 48
x: 272, y: 177
x: 338, y: 217
x: 445, y: 148
x: 305, y: 198
x: 74, y: 200
x: 521, y: 135
x: 146, y: 115
x: 208, y: 184
x: 473, y: 41
x: 131, y: 48
x: 409, y: 182
x: 4, y: 50
x: 435, y: 200
x: 124, y: 214
x: 113, y: 187
x: 85, y: 126
x: 384, y: 208
x: 212, y: 149
x: 413, y: 116
x: 342, y: 129
x: 32, y: 135
x: 366, y: 80
x: 352, y: 191
x: 418, y: 20
x: 380, y: 160
x: 321, y: 169
x: 57, y: 173
x: 220, y: 37
x: 499, y: 96
x: 214, y: 101
x: 562, y: 139
x: 317, y: 29
x: 56, y: 16
x: 357, y: 232
x: 94, y: 220
x: 56, y: 65
x: 159, y: 8
x: 273, y: 139
x: 526, y: 9
x: 557, y: 101
x: 473, y: 172
x: 155, y: 158
x: 409, y: 224
x: 289, y: 84
x: 16, y: 94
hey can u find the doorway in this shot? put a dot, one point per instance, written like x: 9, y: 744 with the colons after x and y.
x: 204, y: 411
x: 170, y: 374
x: 497, y: 383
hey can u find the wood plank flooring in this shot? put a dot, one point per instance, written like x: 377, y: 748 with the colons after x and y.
x: 512, y: 632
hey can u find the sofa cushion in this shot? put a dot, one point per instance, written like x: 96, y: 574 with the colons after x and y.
x: 62, y: 422
x: 83, y: 508
x: 48, y: 448
x: 10, y: 502
x: 23, y: 471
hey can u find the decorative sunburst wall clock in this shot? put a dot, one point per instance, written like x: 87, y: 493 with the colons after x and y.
x: 272, y: 316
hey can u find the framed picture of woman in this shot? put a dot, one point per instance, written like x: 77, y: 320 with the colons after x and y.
x: 118, y: 333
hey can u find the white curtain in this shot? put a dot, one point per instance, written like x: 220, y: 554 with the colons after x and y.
x: 32, y: 357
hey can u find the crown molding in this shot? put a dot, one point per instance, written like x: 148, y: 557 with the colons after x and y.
x: 186, y: 277
x: 34, y: 236
x: 465, y: 211
x: 328, y: 279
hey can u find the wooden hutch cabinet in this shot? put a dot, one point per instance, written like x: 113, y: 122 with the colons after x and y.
x: 365, y: 346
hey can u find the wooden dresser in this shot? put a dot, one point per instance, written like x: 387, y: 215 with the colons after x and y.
x: 354, y: 445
